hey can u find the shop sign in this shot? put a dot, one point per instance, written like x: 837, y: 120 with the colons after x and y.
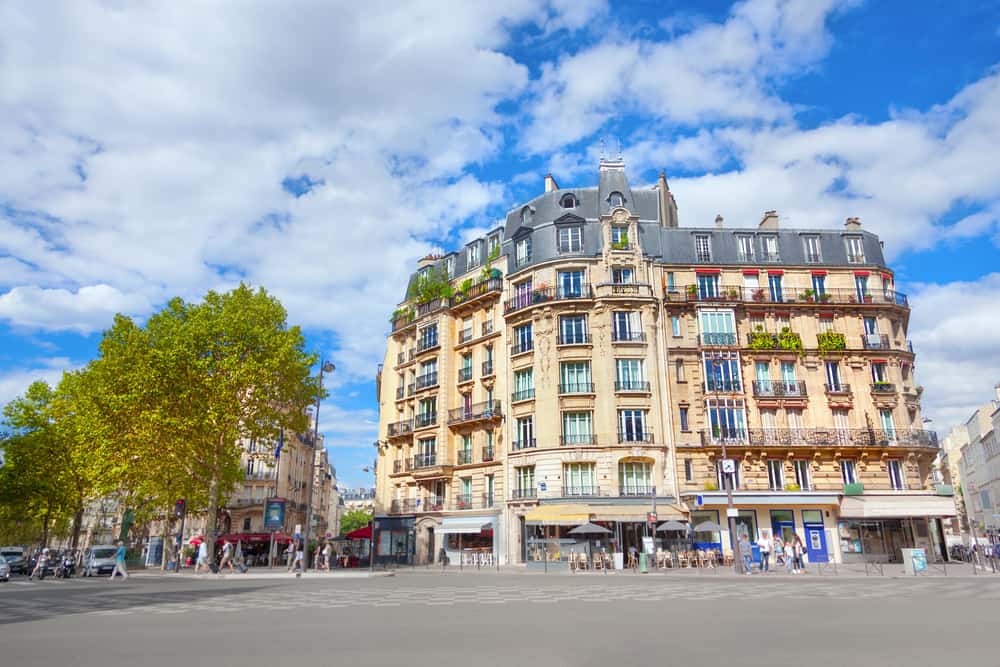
x: 274, y: 514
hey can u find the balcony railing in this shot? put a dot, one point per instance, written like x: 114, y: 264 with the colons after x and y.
x: 410, y: 389
x: 465, y: 335
x: 577, y: 439
x: 487, y: 328
x: 628, y: 336
x: 635, y: 490
x: 524, y: 494
x: 475, y: 291
x: 403, y: 506
x: 427, y: 343
x: 724, y: 339
x: 462, y: 502
x: 636, y: 290
x: 465, y: 374
x: 639, y: 386
x: 839, y: 388
x: 574, y: 339
x: 715, y: 384
x: 464, y: 457
x: 779, y: 388
x: 763, y: 295
x: 484, y: 410
x: 582, y: 490
x: 824, y: 437
x: 427, y: 380
x: 545, y: 294
x: 426, y: 461
x: 426, y: 419
x: 883, y: 388
x: 853, y: 258
x: 488, y: 454
x: 245, y: 502
x: 487, y: 369
x: 401, y: 358
x: 577, y: 388
x: 433, y: 504
x: 875, y: 342
x: 634, y: 436
x: 519, y: 348
x: 400, y: 393
x: 400, y: 428
x: 488, y: 500
x: 518, y: 445
x: 523, y: 395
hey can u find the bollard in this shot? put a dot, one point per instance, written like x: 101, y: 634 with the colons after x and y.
x: 642, y: 563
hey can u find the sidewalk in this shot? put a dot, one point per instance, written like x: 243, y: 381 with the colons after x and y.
x: 262, y: 573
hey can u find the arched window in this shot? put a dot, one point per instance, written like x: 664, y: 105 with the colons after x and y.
x: 525, y: 215
x: 616, y: 199
x: 568, y: 201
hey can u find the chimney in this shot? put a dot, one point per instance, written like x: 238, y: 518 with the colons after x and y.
x: 550, y: 183
x: 668, y: 207
x: 769, y: 221
x: 996, y: 388
x: 428, y: 260
x: 718, y: 221
x: 852, y: 224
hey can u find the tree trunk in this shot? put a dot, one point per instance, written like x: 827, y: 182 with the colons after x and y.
x: 77, y: 527
x: 167, y: 546
x: 211, y: 518
x: 45, y: 528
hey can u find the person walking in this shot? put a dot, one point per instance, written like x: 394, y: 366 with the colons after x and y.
x: 119, y: 568
x: 40, y: 565
x: 800, y: 561
x: 327, y: 553
x: 227, y: 556
x: 779, y: 550
x: 746, y: 552
x: 202, y: 558
x: 790, y: 557
x: 300, y: 558
x: 764, y: 544
x: 290, y: 556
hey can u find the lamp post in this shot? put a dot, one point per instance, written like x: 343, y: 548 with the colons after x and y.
x: 726, y: 480
x: 326, y: 367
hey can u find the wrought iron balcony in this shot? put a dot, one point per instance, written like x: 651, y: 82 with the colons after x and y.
x: 426, y: 461
x: 487, y: 328
x: 400, y: 393
x: 401, y: 358
x: 427, y: 343
x: 410, y: 389
x: 487, y: 369
x: 635, y: 490
x: 465, y: 335
x: 488, y: 500
x: 482, y: 288
x: 883, y: 388
x: 577, y: 439
x: 634, y: 290
x: 547, y: 294
x: 465, y: 374
x: 484, y: 410
x: 638, y: 386
x: 488, y: 454
x: 462, y: 501
x: 577, y: 388
x: 634, y: 436
x: 764, y: 295
x: 779, y: 388
x: 524, y: 494
x: 518, y: 445
x: 433, y: 504
x: 574, y: 339
x: 581, y: 490
x: 424, y: 420
x: 839, y: 388
x: 523, y: 395
x: 715, y: 384
x: 464, y: 457
x: 427, y: 380
x: 618, y: 336
x: 824, y: 437
x: 400, y: 428
x: 520, y: 348
x: 875, y: 342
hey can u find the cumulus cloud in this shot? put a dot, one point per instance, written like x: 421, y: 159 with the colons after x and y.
x: 85, y: 310
x: 14, y: 380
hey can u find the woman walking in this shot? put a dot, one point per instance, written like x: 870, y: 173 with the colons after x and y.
x: 800, y: 550
x: 790, y: 558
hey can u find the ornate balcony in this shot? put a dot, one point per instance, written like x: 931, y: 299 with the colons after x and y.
x: 628, y: 336
x: 883, y: 388
x: 822, y: 437
x: 779, y: 389
x: 875, y: 342
x: 475, y: 412
x: 425, y: 420
x: 427, y: 380
x: 718, y: 339
x: 487, y: 369
x: 465, y: 374
x: 546, y: 295
x: 624, y: 290
x: 488, y: 454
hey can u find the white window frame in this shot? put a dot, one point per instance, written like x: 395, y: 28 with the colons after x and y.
x: 811, y: 247
x: 745, y: 247
x: 570, y: 239
x: 897, y: 474
x: 849, y: 471
x: 703, y: 247
x: 855, y: 247
x: 522, y: 251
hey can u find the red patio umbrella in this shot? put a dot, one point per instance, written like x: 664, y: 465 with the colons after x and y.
x: 363, y: 533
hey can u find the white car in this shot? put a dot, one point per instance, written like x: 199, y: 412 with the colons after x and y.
x: 99, y: 560
x: 4, y: 569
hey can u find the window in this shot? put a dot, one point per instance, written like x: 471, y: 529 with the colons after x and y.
x: 675, y: 326
x: 801, y: 473
x: 619, y: 237
x: 246, y: 524
x: 811, y: 244
x: 774, y: 288
x: 571, y: 285
x: 888, y: 423
x: 635, y: 478
x: 522, y: 338
x: 522, y: 251
x: 579, y: 479
x: 833, y: 376
x: 525, y: 432
x: 751, y: 287
x: 570, y: 239
x: 795, y: 423
x: 775, y: 475
x: 616, y: 200
x: 703, y: 247
x: 679, y: 370
x: 788, y: 381
x: 526, y: 215
x: 728, y: 480
x: 490, y: 490
x: 574, y: 377
x: 465, y: 453
x: 449, y: 266
x: 880, y: 372
x: 524, y: 384
x: 855, y: 249
x: 428, y: 375
x: 473, y: 255
x: 770, y: 244
x: 744, y: 245
x: 819, y: 285
x: 568, y: 201
x: 630, y: 375
x: 848, y: 471
x: 722, y: 371
x: 494, y: 245
x: 728, y: 419
x: 841, y: 420
x: 428, y: 337
x: 426, y: 452
x: 426, y: 411
x: 623, y: 275
x: 897, y: 479
x: 572, y: 329
x: 465, y: 372
x: 861, y: 288
x: 769, y: 421
x: 684, y: 419
x: 524, y: 486
x: 671, y: 285
x: 578, y: 428
x: 708, y: 285
x: 718, y: 327
x: 825, y: 324
x: 632, y: 426
x: 626, y: 326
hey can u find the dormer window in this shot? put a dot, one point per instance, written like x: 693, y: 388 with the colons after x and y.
x: 473, y: 257
x: 568, y: 201
x: 526, y: 215
x: 616, y: 200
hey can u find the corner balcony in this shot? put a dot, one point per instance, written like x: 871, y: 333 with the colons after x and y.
x: 400, y: 429
x: 779, y: 389
x: 543, y: 295
x: 485, y: 411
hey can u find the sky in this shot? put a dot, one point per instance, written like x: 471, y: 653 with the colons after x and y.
x: 317, y: 149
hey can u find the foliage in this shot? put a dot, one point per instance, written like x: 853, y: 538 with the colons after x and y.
x: 831, y: 341
x: 429, y: 285
x: 621, y: 243
x: 761, y: 340
x: 692, y: 290
x: 466, y: 285
x: 711, y: 486
x: 406, y: 312
x: 353, y: 520
x: 789, y: 340
x: 809, y: 296
x: 758, y: 295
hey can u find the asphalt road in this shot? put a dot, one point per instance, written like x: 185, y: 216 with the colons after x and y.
x: 477, y: 619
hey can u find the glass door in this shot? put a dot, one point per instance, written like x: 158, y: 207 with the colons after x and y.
x: 570, y: 284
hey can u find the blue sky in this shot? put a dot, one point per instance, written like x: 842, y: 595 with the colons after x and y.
x: 151, y: 151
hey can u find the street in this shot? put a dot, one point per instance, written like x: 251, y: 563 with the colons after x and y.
x: 429, y: 618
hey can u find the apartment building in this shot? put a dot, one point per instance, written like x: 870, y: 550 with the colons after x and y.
x: 596, y: 368
x: 980, y: 467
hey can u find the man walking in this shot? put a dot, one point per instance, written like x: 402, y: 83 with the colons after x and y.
x: 202, y: 558
x: 119, y: 562
x: 746, y: 551
x: 764, y: 543
x: 227, y: 556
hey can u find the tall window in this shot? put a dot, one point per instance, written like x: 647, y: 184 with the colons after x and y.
x: 570, y: 284
x: 525, y: 432
x: 683, y: 414
x: 671, y: 285
x: 722, y: 371
x: 688, y: 470
x: 825, y: 324
x: 619, y: 237
x: 635, y: 478
x: 745, y: 246
x: 524, y: 485
x: 855, y: 249
x: 522, y: 251
x: 426, y: 411
x: 848, y: 471
x: 770, y: 243
x: 494, y: 245
x: 880, y: 372
x: 842, y: 421
x: 861, y: 288
x: 708, y: 285
x: 570, y: 239
x: 449, y: 266
x: 474, y: 255
x: 524, y: 384
x: 728, y: 418
x: 811, y: 244
x: 426, y: 452
x: 789, y: 384
x: 718, y: 327
x: 627, y: 326
x: 888, y: 423
x: 574, y: 377
x: 703, y: 247
x: 572, y: 329
x: 675, y: 326
x: 833, y: 376
x: 578, y: 428
x: 579, y: 479
x: 819, y: 284
x: 623, y: 275
x: 632, y: 425
x: 775, y: 475
x: 630, y: 375
x: 428, y: 337
x: 795, y: 423
x: 679, y: 373
x: 897, y: 479
x: 465, y: 454
x: 802, y: 473
x: 522, y: 338
x: 774, y: 287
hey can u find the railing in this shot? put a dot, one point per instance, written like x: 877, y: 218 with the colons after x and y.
x: 427, y: 343
x: 246, y: 502
x: 401, y: 358
x: 824, y: 437
x: 577, y: 439
x: 883, y: 388
x: 465, y: 374
x: 841, y: 388
x: 488, y: 500
x: 524, y: 494
x: 410, y: 389
x: 633, y: 436
x: 464, y: 457
x: 574, y: 339
x: 462, y: 502
x: 477, y: 290
x: 400, y: 393
x: 770, y: 257
x: 398, y: 466
x: 577, y: 388
x: 523, y: 395
x: 488, y: 454
x: 761, y: 295
x: 853, y: 258
x: 545, y: 294
x: 641, y: 386
x: 638, y: 290
x: 425, y: 461
x: 403, y: 506
x: 875, y: 342
x: 484, y: 410
x: 635, y: 490
x: 628, y: 336
x: 813, y: 258
x: 465, y: 335
x: 427, y: 419
x: 427, y: 380
x: 518, y: 445
x: 779, y: 388
x: 719, y: 339
x: 487, y: 368
x: 518, y: 348
x: 487, y: 328
x: 433, y: 504
x: 585, y: 490
x: 714, y: 384
x: 260, y: 476
x: 400, y: 428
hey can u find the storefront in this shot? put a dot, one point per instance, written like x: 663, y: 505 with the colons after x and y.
x: 469, y: 539
x: 878, y: 527
x: 394, y: 540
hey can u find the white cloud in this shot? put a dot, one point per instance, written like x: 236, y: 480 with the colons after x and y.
x: 85, y: 310
x: 14, y: 381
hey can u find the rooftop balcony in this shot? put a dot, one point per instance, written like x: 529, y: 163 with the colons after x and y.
x: 476, y: 412
x: 486, y: 288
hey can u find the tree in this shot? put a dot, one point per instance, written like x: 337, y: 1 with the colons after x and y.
x: 353, y: 520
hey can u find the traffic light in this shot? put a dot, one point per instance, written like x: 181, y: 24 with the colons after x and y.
x: 179, y: 508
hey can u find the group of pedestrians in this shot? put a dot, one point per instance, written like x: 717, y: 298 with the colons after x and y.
x: 790, y: 553
x: 323, y: 556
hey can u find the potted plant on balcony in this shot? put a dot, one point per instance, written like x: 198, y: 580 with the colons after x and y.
x: 824, y: 297
x: 711, y: 486
x: 692, y: 291
x: 883, y: 386
x: 789, y: 340
x: 733, y: 294
x: 758, y: 295
x: 809, y: 296
x: 541, y: 293
x: 621, y: 243
x: 792, y: 487
x: 406, y: 314
x: 760, y: 339
x: 831, y: 341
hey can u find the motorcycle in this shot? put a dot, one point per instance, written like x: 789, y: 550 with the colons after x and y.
x: 66, y: 567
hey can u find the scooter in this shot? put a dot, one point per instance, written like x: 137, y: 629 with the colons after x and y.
x: 66, y: 568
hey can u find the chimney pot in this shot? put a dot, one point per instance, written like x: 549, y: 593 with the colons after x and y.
x: 550, y: 183
x: 769, y: 221
x: 852, y: 223
x: 719, y: 220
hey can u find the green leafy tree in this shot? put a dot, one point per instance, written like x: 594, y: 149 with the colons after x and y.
x: 429, y: 285
x: 353, y: 520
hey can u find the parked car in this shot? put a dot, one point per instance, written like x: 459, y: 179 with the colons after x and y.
x: 99, y: 560
x: 4, y: 569
x: 16, y: 561
x: 50, y: 564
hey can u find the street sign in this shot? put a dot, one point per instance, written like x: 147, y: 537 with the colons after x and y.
x: 541, y: 486
x: 728, y: 466
x: 699, y: 500
x: 732, y: 512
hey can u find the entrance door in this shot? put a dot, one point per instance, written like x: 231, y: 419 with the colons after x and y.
x: 812, y: 522
x: 783, y: 524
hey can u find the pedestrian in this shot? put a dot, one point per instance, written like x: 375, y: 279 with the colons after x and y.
x: 746, y: 552
x: 790, y: 557
x: 800, y: 556
x: 300, y: 555
x: 317, y: 556
x: 779, y: 550
x: 119, y: 562
x: 202, y: 557
x: 40, y: 564
x: 290, y: 556
x: 227, y: 556
x: 764, y: 544
x: 327, y: 552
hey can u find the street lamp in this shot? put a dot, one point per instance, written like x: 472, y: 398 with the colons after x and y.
x: 324, y: 367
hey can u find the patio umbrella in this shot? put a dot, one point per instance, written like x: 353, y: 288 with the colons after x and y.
x: 707, y: 527
x: 590, y: 529
x: 672, y: 526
